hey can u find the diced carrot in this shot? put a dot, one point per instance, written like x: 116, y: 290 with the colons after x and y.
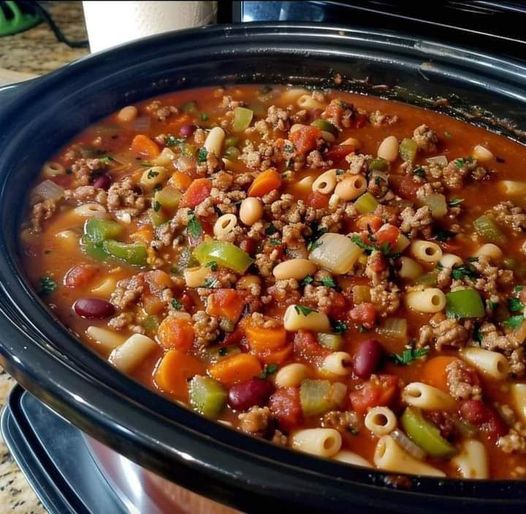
x: 264, y: 183
x: 174, y: 370
x: 225, y: 303
x: 369, y: 220
x: 158, y: 280
x: 317, y: 200
x: 144, y: 146
x: 197, y: 192
x: 152, y: 304
x: 304, y: 139
x: 434, y: 371
x: 387, y: 234
x: 264, y: 339
x: 235, y: 369
x: 181, y: 180
x: 143, y: 235
x: 80, y: 275
x: 275, y: 356
x: 176, y: 333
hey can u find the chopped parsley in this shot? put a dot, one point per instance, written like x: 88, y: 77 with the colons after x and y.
x: 152, y: 173
x: 270, y: 229
x: 515, y: 305
x: 328, y: 282
x: 455, y: 202
x: 210, y: 282
x: 156, y: 206
x: 204, y: 116
x: 174, y: 141
x: 269, y: 369
x: 309, y: 279
x: 176, y: 304
x: 409, y: 355
x: 384, y: 248
x: 419, y: 172
x: 339, y: 327
x: 212, y: 265
x: 477, y: 336
x: 106, y: 159
x: 459, y: 272
x: 275, y: 242
x: 194, y: 227
x: 514, y: 322
x: 317, y: 232
x: 313, y: 245
x: 463, y: 161
x: 202, y: 154
x: 304, y: 311
x: 46, y: 286
x: 222, y: 351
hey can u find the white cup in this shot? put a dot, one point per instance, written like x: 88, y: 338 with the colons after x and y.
x: 110, y: 23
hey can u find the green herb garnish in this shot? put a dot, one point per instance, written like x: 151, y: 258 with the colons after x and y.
x: 176, y: 304
x: 304, y: 311
x: 409, y: 355
x: 202, y: 154
x: 459, y: 272
x: 309, y: 279
x: 515, y: 305
x: 156, y: 206
x: 212, y: 265
x: 328, y: 282
x: 339, y: 327
x: 269, y: 369
x: 194, y: 227
x: 514, y: 322
x: 46, y: 286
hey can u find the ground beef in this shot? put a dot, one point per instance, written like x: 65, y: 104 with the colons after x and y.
x: 255, y: 421
x: 85, y: 194
x: 212, y: 164
x: 160, y: 111
x: 494, y: 340
x: 425, y: 138
x: 259, y: 320
x: 206, y: 328
x: 380, y: 119
x: 319, y: 297
x: 222, y: 181
x: 84, y: 169
x: 511, y: 215
x: 514, y: 441
x: 125, y: 196
x: 278, y: 118
x: 443, y: 332
x: 386, y: 298
x: 285, y: 291
x: 445, y: 421
x: 462, y: 381
x: 413, y: 222
x: 376, y: 268
x: 315, y: 160
x: 357, y: 163
x: 40, y: 212
x: 339, y: 113
x: 343, y: 421
x: 128, y: 291
x: 229, y: 104
x: 279, y: 438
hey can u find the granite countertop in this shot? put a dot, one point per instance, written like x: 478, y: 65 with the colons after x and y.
x: 33, y: 52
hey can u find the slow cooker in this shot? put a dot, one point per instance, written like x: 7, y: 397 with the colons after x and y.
x: 213, y: 460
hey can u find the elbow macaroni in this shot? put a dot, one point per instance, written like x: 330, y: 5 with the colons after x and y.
x: 380, y: 421
x: 426, y: 397
x: 426, y: 251
x: 295, y: 319
x: 492, y: 364
x: 429, y: 300
x: 322, y: 442
x: 472, y: 460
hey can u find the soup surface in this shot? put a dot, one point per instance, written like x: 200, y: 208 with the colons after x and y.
x: 336, y: 273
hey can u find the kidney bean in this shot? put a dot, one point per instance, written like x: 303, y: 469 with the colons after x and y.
x: 93, y: 308
x: 103, y: 182
x: 186, y: 130
x: 368, y: 358
x: 255, y: 391
x: 473, y: 411
x: 484, y: 417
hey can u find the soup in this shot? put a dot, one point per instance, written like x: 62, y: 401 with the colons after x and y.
x: 335, y: 273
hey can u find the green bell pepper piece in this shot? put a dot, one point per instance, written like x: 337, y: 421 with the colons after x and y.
x: 425, y: 434
x: 93, y: 250
x: 408, y: 149
x: 464, y: 303
x: 131, y: 253
x: 207, y: 396
x: 224, y: 254
x: 487, y: 228
x: 242, y: 118
x: 325, y: 126
x: 97, y: 230
x: 378, y: 164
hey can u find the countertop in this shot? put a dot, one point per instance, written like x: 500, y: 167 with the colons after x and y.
x: 24, y: 55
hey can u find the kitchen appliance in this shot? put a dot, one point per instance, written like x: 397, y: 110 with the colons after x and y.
x: 208, y: 458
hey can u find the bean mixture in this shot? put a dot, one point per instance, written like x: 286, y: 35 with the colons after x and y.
x: 335, y: 273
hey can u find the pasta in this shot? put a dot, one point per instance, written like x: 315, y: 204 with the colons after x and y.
x: 153, y: 176
x: 337, y: 363
x: 426, y: 251
x: 518, y: 396
x: 90, y: 210
x: 491, y: 251
x: 351, y: 188
x: 449, y: 260
x: 380, y: 421
x: 322, y: 442
x: 52, y: 169
x: 426, y: 397
x: 429, y: 300
x: 325, y: 183
x: 492, y: 364
x: 472, y: 460
x: 224, y: 226
x: 127, y: 356
x: 352, y: 458
x: 297, y: 317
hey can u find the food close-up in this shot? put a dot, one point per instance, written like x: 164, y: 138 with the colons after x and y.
x: 335, y: 273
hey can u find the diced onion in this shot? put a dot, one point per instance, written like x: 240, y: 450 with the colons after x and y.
x: 439, y: 160
x: 47, y: 190
x: 336, y: 253
x: 408, y: 445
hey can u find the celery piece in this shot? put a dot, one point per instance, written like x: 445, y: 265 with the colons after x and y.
x: 320, y: 396
x: 97, y: 230
x: 242, y: 118
x: 408, y: 149
x: 437, y: 204
x: 464, y: 303
x: 325, y: 126
x: 366, y: 203
x: 428, y: 279
x: 207, y: 396
x: 394, y: 328
x: 333, y: 342
x: 378, y: 164
x: 223, y: 253
x: 232, y: 153
x: 158, y: 217
x: 487, y: 228
x: 168, y: 197
x: 131, y: 253
x: 425, y: 434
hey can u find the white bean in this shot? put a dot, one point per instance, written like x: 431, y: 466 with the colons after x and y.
x: 388, y: 149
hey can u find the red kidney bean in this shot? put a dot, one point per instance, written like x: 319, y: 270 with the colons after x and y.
x: 255, y: 391
x: 103, y: 182
x: 368, y: 358
x: 93, y: 308
x: 473, y: 411
x: 483, y: 416
x: 186, y: 130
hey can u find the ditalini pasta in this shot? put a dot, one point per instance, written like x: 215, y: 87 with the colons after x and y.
x: 335, y: 273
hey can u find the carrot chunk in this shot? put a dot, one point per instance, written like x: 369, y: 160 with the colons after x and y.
x: 264, y: 183
x: 235, y: 369
x: 197, y: 192
x: 263, y: 339
x: 434, y: 371
x: 144, y: 146
x: 176, y: 333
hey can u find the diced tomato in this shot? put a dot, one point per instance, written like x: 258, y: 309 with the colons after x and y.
x: 380, y: 390
x: 80, y: 275
x: 234, y: 337
x: 361, y: 120
x: 198, y: 191
x: 387, y: 234
x: 450, y: 246
x: 317, y: 200
x: 338, y: 152
x: 364, y: 314
x: 307, y: 348
x: 369, y: 221
x: 377, y: 262
x: 404, y: 186
x: 225, y: 303
x: 187, y: 302
x: 304, y: 139
x: 249, y: 245
x: 285, y: 405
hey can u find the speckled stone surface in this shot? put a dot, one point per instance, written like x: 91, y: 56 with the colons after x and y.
x: 35, y: 51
